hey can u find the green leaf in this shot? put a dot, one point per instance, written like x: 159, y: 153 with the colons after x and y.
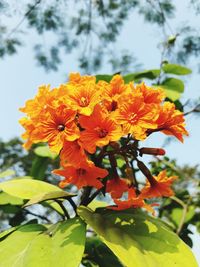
x: 39, y: 167
x: 139, y: 240
x: 44, y: 151
x: 9, y: 199
x: 177, y: 214
x: 61, y: 245
x: 27, y: 188
x: 98, y: 253
x: 95, y: 204
x: 5, y: 233
x: 104, y: 77
x: 148, y: 74
x: 48, y: 196
x: 176, y: 69
x: 7, y: 173
x: 173, y: 88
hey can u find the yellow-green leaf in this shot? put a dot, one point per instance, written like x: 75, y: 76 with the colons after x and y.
x: 9, y: 199
x: 173, y: 88
x: 139, y: 240
x: 33, y: 245
x: 176, y: 69
x: 44, y: 151
x: 48, y: 196
x: 27, y: 188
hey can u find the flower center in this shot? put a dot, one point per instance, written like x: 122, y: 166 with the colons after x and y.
x: 132, y: 117
x: 101, y: 132
x: 113, y: 105
x: 81, y: 172
x: 61, y: 127
x: 83, y: 102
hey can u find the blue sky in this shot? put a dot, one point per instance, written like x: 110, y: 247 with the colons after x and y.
x: 20, y: 77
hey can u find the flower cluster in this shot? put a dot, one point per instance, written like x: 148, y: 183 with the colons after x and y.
x: 86, y: 122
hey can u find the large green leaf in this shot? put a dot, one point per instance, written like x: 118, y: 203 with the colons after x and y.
x: 139, y: 240
x: 176, y: 69
x: 9, y: 199
x: 27, y: 188
x: 48, y: 196
x: 30, y: 246
x: 173, y: 88
x: 148, y: 74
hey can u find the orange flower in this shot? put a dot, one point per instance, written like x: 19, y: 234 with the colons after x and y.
x: 132, y: 202
x: 136, y: 116
x: 83, y: 97
x: 116, y: 187
x: 29, y: 127
x: 161, y: 186
x: 72, y: 153
x: 57, y: 128
x: 100, y: 129
x: 150, y: 94
x: 86, y: 174
x: 114, y: 90
x: 171, y: 121
x: 76, y: 78
x: 36, y: 106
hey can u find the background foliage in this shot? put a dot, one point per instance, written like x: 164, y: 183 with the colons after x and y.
x: 91, y: 30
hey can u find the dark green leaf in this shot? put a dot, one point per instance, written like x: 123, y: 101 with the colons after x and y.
x: 104, y: 77
x: 148, y: 74
x: 98, y: 253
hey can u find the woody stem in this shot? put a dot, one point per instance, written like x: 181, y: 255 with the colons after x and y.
x: 143, y: 168
x: 113, y: 164
x: 85, y: 195
x: 63, y: 208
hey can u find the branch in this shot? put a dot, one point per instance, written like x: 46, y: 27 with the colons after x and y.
x: 63, y: 208
x: 37, y: 215
x: 24, y: 17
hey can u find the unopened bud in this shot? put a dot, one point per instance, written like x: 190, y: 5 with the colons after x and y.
x: 152, y: 151
x: 143, y: 168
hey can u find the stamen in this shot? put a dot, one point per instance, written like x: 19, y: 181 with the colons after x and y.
x: 81, y: 172
x: 83, y: 102
x: 102, y: 133
x: 61, y: 127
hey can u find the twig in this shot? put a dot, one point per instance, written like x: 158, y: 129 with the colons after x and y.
x: 85, y: 195
x: 93, y: 196
x: 72, y: 204
x: 63, y: 208
x: 182, y: 221
x: 37, y: 215
x: 22, y: 20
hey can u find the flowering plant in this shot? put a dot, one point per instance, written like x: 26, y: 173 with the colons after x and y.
x: 95, y: 127
x: 86, y: 122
